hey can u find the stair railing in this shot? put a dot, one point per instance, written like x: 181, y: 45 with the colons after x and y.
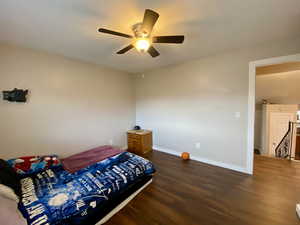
x: 284, y: 148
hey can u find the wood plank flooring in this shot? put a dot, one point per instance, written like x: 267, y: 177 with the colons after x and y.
x: 191, y: 193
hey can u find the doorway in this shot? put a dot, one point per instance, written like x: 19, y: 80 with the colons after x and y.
x: 266, y: 64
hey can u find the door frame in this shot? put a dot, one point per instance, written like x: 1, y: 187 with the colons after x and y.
x: 251, y: 100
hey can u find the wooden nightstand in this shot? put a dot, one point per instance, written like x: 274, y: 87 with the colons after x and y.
x: 139, y: 141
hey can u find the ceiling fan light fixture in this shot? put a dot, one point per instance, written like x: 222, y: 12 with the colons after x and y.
x: 143, y: 40
x: 142, y: 44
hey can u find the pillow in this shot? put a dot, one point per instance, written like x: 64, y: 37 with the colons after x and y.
x: 10, y: 215
x: 9, y: 178
x: 33, y: 164
x: 8, y: 193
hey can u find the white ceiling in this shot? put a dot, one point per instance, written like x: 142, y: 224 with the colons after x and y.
x: 69, y: 27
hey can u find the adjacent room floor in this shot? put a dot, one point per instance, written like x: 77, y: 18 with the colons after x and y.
x: 195, y: 193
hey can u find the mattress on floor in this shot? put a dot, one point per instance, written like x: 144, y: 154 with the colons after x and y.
x: 54, y: 196
x: 99, y: 213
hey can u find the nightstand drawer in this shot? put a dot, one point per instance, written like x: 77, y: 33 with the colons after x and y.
x: 134, y: 141
x: 134, y: 136
x: 134, y: 146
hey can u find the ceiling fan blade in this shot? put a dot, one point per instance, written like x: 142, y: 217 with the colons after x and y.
x: 150, y: 18
x: 176, y: 39
x: 126, y: 49
x: 153, y: 52
x: 103, y: 30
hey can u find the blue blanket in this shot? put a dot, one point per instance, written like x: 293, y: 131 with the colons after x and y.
x: 54, y: 195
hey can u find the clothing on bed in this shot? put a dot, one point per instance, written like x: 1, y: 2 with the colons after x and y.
x: 90, y: 157
x: 33, y: 164
x: 9, y: 177
x: 54, y: 195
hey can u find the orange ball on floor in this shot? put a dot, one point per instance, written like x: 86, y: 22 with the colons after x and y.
x: 185, y: 155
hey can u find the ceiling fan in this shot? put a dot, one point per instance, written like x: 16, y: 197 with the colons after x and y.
x: 142, y: 39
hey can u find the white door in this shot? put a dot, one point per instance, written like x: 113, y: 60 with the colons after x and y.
x: 279, y: 124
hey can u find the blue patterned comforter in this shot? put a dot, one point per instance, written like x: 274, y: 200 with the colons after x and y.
x: 54, y: 195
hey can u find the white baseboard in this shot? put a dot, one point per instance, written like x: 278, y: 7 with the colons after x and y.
x: 203, y: 160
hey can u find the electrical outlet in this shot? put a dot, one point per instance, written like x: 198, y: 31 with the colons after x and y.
x: 197, y: 145
x: 110, y: 142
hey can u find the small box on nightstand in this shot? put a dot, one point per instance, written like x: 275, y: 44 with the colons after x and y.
x: 139, y: 141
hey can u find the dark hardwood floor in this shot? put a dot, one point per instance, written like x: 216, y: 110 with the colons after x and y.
x: 195, y: 193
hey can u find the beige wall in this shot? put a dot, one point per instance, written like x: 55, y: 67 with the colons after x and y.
x: 72, y: 105
x: 258, y: 142
x: 198, y: 101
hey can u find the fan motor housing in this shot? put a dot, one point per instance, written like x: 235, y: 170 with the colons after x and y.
x: 138, y: 31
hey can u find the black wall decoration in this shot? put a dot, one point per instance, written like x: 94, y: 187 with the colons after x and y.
x: 16, y: 95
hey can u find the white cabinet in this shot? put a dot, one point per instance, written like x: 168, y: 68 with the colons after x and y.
x: 276, y: 118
